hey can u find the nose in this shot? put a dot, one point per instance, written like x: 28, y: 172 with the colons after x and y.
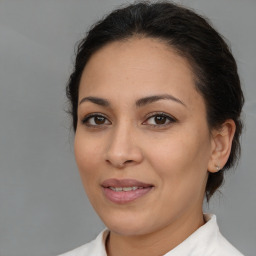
x: 123, y: 149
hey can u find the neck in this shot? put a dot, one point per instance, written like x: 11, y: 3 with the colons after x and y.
x: 157, y: 243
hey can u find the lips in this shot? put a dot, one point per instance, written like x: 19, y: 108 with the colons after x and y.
x: 125, y: 190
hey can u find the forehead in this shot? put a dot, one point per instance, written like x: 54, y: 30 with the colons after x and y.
x: 137, y: 66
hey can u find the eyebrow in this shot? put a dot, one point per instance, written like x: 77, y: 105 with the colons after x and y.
x: 96, y: 100
x: 150, y: 99
x: 139, y: 103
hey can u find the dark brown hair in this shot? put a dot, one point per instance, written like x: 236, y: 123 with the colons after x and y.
x: 192, y: 37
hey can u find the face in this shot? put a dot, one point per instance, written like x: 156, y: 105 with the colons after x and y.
x: 142, y: 143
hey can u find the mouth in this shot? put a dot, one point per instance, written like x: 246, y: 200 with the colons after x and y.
x: 118, y: 189
x: 124, y: 191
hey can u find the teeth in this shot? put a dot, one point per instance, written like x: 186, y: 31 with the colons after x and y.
x: 124, y: 188
x: 128, y: 189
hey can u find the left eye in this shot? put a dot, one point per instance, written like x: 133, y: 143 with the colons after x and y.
x: 95, y: 120
x: 159, y: 120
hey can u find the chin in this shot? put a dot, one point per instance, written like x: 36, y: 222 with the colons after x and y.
x: 126, y: 225
x: 127, y: 230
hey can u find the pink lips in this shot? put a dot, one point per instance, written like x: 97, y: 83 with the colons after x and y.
x: 125, y: 190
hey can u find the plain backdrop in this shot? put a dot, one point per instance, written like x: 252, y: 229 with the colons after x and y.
x: 43, y: 208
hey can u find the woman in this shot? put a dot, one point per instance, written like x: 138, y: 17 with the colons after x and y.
x: 156, y: 102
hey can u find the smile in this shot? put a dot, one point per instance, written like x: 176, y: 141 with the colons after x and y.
x: 125, y: 188
x: 124, y: 191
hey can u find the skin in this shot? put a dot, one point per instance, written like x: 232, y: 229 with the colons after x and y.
x: 175, y: 155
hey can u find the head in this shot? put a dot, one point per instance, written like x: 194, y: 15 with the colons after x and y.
x: 160, y: 31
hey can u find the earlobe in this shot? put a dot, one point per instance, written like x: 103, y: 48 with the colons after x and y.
x: 221, y: 145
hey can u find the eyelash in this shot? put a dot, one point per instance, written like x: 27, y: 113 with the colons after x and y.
x: 88, y: 117
x: 170, y: 119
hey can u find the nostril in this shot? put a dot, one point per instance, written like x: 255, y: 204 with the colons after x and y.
x: 119, y: 165
x: 128, y: 161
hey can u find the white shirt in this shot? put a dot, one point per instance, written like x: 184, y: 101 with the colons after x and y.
x: 205, y: 241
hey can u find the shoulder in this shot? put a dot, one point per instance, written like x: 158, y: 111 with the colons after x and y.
x: 206, y: 241
x: 95, y: 247
x: 225, y: 248
x: 220, y: 245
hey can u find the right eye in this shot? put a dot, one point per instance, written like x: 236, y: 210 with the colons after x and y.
x: 95, y: 120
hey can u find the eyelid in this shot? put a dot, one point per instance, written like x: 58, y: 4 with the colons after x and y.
x: 171, y: 118
x: 160, y: 113
x: 88, y: 116
x: 148, y: 116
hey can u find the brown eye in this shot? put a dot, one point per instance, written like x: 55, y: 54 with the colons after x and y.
x: 160, y: 119
x: 99, y: 120
x: 95, y: 120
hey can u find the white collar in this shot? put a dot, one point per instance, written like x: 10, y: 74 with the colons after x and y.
x: 206, y: 240
x: 201, y: 241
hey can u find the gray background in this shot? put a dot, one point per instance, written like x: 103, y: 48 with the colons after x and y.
x: 43, y: 208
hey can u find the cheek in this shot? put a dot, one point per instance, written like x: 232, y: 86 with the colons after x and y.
x: 181, y: 160
x: 87, y: 154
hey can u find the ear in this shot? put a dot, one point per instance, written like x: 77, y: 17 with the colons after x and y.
x: 221, y: 143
